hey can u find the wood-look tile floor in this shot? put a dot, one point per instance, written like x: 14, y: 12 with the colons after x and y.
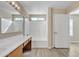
x: 43, y: 52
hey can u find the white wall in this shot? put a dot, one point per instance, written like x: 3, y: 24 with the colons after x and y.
x: 75, y: 27
x: 38, y: 31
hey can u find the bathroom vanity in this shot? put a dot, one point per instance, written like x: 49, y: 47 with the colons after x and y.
x: 15, y: 46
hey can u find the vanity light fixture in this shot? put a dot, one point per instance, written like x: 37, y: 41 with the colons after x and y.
x: 17, y: 7
x: 14, y: 5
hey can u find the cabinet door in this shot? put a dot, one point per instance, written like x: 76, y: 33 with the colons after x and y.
x: 27, y: 45
x: 17, y: 52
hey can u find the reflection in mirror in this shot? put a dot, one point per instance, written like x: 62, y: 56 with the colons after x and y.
x: 17, y: 23
x: 6, y: 24
x: 12, y: 24
x: 10, y: 19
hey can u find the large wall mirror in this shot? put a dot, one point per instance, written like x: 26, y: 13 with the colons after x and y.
x: 10, y: 19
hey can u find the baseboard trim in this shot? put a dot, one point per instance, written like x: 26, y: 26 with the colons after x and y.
x: 40, y: 44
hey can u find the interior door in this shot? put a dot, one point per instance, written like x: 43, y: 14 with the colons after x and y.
x: 61, y: 30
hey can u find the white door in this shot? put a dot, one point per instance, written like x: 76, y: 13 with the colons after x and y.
x: 61, y: 30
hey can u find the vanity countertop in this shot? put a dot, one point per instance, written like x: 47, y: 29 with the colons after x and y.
x: 7, y: 45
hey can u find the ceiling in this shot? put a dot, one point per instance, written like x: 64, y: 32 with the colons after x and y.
x: 42, y: 6
x: 33, y: 6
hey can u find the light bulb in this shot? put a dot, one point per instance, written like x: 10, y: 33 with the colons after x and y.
x: 13, y: 3
x: 18, y: 7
